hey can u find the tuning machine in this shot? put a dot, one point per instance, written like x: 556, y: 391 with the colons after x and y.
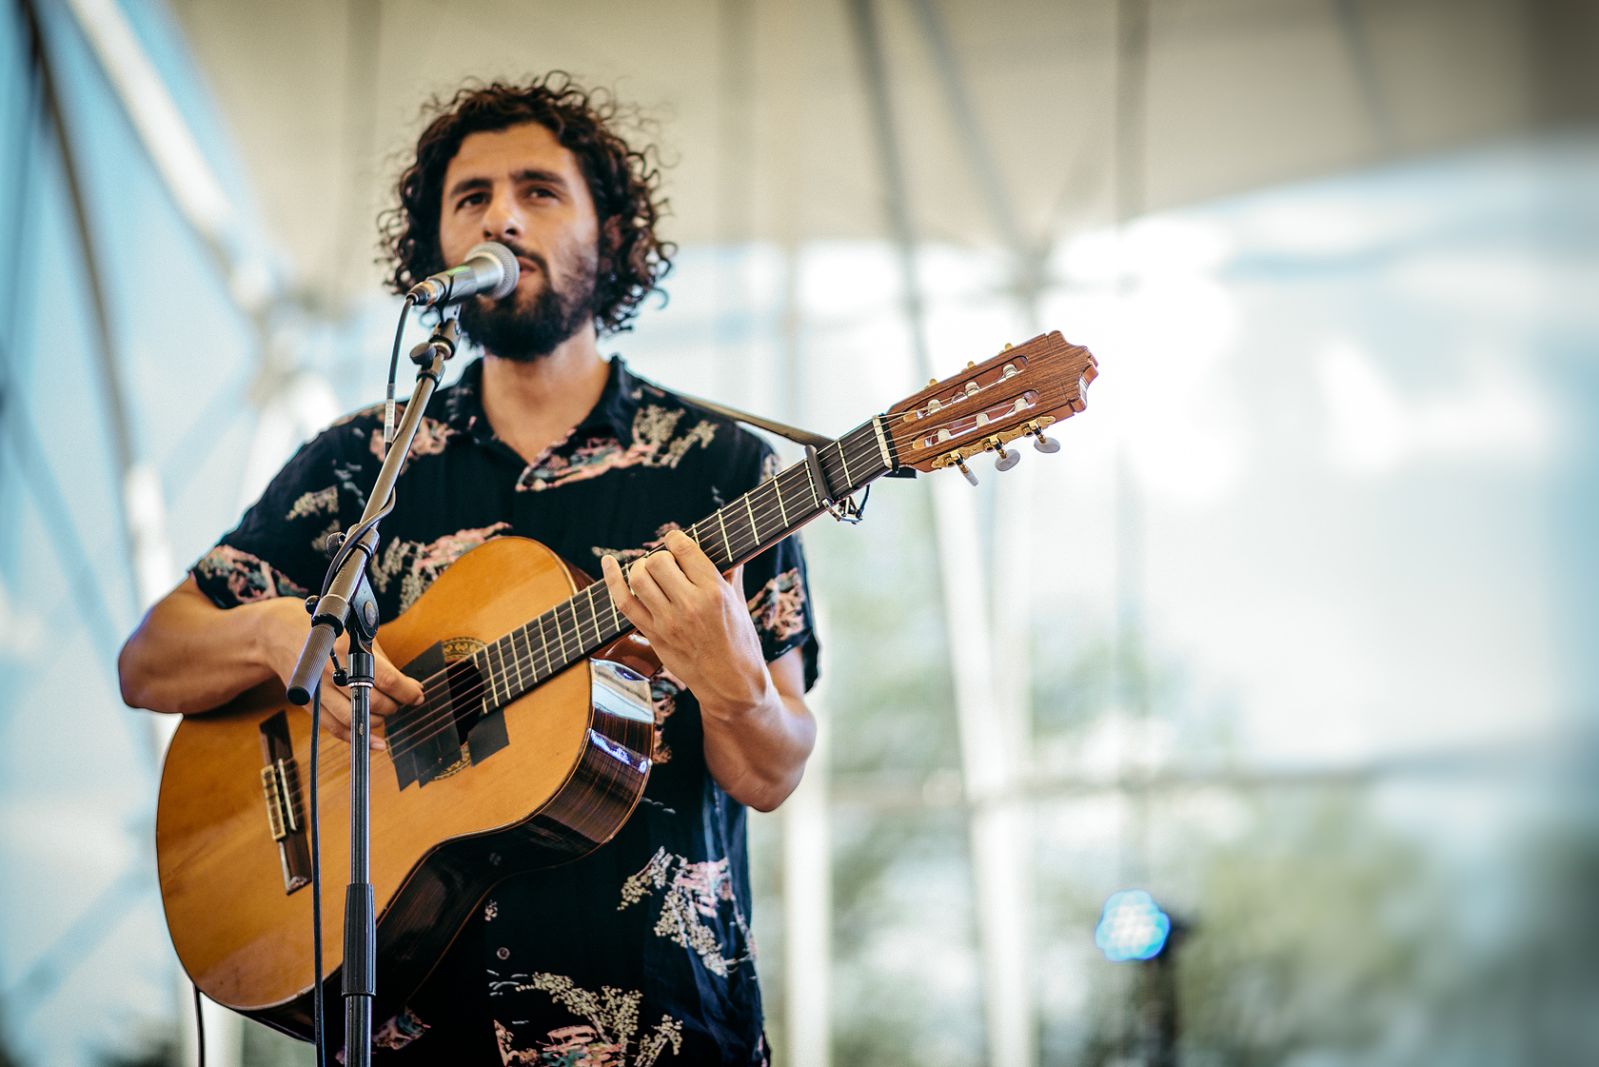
x: 1004, y: 460
x: 959, y: 459
x: 1043, y: 444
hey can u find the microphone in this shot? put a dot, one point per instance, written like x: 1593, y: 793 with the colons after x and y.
x: 490, y: 268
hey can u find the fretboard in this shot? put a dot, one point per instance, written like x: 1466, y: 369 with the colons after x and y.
x: 740, y: 531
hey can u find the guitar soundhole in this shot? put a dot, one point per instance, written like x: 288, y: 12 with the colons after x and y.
x: 455, y: 726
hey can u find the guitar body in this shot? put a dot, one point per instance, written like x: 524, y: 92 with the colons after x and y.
x: 566, y: 764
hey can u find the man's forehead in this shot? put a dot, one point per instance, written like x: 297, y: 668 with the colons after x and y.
x: 527, y: 146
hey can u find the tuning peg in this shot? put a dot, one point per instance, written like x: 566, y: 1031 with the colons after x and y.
x: 1006, y: 460
x: 960, y: 463
x: 1040, y: 442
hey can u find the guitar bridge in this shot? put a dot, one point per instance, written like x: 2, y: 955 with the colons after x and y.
x: 280, y: 782
x: 280, y: 789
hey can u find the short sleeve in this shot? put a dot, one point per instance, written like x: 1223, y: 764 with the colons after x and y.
x: 779, y: 597
x: 277, y: 547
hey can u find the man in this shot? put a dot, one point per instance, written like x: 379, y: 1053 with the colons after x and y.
x: 640, y: 952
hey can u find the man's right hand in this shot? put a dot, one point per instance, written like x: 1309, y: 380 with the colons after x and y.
x: 189, y: 656
x: 285, y: 628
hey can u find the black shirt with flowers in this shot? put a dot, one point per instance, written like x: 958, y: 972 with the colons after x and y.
x: 640, y: 953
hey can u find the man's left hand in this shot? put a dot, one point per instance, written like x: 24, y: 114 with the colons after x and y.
x: 696, y: 620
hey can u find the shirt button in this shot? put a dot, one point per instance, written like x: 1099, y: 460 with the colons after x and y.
x: 503, y: 953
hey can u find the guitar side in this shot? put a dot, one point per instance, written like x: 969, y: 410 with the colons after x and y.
x: 573, y: 769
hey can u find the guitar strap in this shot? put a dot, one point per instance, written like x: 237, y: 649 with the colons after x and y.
x: 792, y: 433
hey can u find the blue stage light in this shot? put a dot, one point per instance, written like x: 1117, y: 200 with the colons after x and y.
x: 1132, y: 927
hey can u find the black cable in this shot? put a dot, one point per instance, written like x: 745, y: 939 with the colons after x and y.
x: 394, y: 369
x: 318, y: 1036
x: 199, y: 1024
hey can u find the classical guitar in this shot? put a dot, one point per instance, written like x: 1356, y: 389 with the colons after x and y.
x: 532, y: 744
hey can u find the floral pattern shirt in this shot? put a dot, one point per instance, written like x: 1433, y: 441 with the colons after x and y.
x: 641, y: 952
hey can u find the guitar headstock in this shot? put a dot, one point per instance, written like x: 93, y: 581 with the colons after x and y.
x: 1019, y: 393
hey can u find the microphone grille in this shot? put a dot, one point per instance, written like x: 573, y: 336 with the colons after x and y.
x: 510, y: 269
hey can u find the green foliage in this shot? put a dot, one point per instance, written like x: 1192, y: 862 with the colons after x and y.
x: 1312, y: 929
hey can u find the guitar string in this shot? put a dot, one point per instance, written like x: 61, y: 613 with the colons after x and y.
x: 591, y: 632
x: 440, y: 714
x: 587, y: 634
x: 862, y: 443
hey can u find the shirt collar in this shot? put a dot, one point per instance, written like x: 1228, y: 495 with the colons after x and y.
x: 614, y: 411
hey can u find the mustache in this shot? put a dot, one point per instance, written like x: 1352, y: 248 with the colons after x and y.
x: 528, y: 254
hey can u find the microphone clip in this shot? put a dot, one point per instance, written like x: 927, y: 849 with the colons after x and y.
x: 439, y: 347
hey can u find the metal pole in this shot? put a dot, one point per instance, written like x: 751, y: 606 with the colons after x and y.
x: 987, y: 755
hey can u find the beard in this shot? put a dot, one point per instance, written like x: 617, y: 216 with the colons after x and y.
x: 523, y: 333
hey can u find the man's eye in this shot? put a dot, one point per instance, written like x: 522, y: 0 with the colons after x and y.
x: 471, y: 200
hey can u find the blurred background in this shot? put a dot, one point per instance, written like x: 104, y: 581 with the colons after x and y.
x: 1295, y: 634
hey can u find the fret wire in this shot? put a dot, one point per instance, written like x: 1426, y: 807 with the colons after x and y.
x: 516, y: 658
x: 781, y: 510
x: 560, y: 634
x: 579, y: 626
x: 769, y: 488
x: 532, y: 657
x: 749, y: 507
x: 584, y: 623
x: 528, y: 666
x: 849, y: 480
x: 696, y: 535
x: 507, y: 664
x: 494, y: 672
x: 574, y: 627
x: 800, y: 476
x: 610, y: 605
x: 749, y: 512
x: 693, y: 533
x: 776, y: 494
x: 594, y: 614
x: 594, y: 617
x: 726, y: 544
x: 544, y: 637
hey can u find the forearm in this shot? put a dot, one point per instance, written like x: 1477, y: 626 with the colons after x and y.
x: 757, y: 753
x: 188, y: 655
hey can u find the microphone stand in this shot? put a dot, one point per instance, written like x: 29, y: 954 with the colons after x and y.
x: 347, y: 602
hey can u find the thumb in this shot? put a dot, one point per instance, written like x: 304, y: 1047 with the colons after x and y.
x: 389, y: 678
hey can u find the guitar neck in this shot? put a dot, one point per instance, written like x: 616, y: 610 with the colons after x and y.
x: 739, y: 531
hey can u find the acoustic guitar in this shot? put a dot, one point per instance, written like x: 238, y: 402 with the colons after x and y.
x: 532, y: 744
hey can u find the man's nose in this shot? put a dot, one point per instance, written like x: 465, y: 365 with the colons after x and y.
x: 503, y: 218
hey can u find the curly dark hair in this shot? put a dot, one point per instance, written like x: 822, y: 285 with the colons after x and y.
x: 624, y: 183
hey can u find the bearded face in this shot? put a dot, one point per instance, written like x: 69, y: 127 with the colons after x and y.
x: 526, y: 326
x: 519, y: 186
